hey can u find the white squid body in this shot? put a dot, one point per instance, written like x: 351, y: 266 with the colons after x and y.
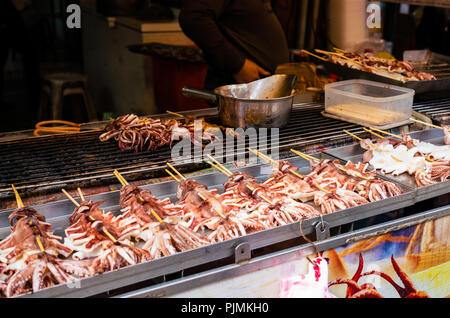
x: 19, y: 263
x: 436, y: 152
x: 80, y: 247
x: 404, y: 160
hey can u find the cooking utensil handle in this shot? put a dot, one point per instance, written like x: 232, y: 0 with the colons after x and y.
x: 198, y: 93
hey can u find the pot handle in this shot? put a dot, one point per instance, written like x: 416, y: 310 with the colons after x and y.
x: 199, y: 93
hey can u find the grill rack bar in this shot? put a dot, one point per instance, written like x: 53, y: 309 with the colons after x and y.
x: 69, y: 159
x: 437, y: 110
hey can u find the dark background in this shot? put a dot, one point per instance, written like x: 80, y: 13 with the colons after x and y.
x: 36, y: 41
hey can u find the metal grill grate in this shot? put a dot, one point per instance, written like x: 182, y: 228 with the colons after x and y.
x: 437, y: 110
x: 51, y: 162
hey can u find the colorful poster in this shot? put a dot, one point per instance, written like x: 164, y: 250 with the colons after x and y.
x: 411, y: 262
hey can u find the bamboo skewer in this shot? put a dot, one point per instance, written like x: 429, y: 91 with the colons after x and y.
x: 425, y: 123
x: 173, y: 113
x: 316, y: 56
x: 386, y: 133
x: 18, y: 198
x: 109, y: 235
x: 308, y: 157
x: 176, y: 171
x: 344, y: 58
x: 81, y: 194
x: 124, y: 182
x: 377, y: 148
x: 198, y: 193
x: 270, y: 160
x: 156, y: 216
x: 41, y: 246
x: 219, y: 164
x: 228, y: 173
x: 359, y: 174
x: 341, y: 58
x: 339, y: 50
x: 329, y: 53
x: 70, y: 198
x: 219, y: 168
x: 21, y: 205
x: 172, y: 175
x: 360, y: 139
x: 260, y: 154
x: 375, y: 134
x: 339, y: 55
x: 290, y: 170
x: 120, y: 178
x: 304, y: 156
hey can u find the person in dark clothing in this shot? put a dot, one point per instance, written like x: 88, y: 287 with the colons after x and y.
x: 241, y: 40
x: 16, y: 35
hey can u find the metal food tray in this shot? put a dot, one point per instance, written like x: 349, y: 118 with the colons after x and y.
x: 57, y: 214
x: 440, y: 87
x: 354, y: 153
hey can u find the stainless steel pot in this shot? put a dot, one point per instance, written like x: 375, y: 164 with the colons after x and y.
x: 263, y: 103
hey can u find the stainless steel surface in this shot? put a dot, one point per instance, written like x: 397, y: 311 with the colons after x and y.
x: 263, y: 103
x: 265, y: 113
x: 172, y: 288
x: 275, y: 86
x: 57, y: 214
x: 355, y: 153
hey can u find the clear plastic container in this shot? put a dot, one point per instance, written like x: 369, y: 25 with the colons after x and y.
x: 369, y: 103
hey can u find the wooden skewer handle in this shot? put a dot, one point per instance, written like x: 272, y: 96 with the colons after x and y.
x: 70, y: 198
x: 425, y: 123
x: 18, y: 198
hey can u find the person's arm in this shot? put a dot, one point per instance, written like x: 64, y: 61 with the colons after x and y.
x: 198, y: 19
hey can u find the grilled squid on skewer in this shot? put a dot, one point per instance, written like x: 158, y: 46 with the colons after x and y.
x: 34, y: 256
x: 162, y: 231
x: 104, y: 238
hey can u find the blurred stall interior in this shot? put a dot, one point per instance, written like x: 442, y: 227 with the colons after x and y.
x: 36, y: 42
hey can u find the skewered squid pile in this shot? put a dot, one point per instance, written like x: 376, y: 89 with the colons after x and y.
x: 395, y: 69
x: 146, y: 134
x: 33, y: 258
x: 147, y: 228
x: 399, y: 70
